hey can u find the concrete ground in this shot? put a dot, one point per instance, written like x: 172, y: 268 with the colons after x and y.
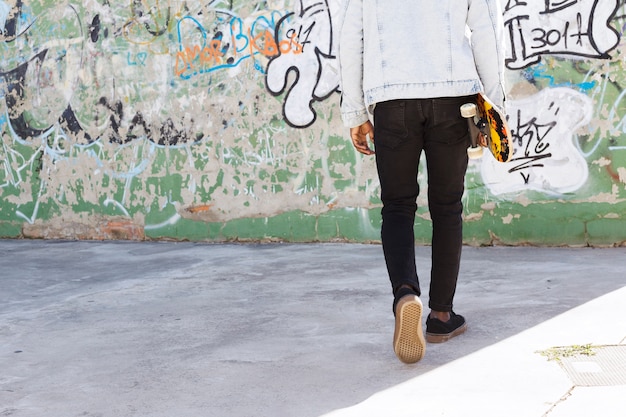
x: 115, y: 329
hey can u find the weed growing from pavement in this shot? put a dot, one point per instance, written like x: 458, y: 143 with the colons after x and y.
x: 556, y: 353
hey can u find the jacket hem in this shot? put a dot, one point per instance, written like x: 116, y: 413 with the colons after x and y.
x: 430, y: 90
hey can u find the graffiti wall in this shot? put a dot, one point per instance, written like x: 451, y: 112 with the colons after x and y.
x: 219, y: 120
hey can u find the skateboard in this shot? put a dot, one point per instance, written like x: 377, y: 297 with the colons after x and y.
x: 488, y: 129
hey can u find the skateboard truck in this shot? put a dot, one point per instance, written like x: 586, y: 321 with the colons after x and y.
x: 477, y: 126
x: 488, y: 129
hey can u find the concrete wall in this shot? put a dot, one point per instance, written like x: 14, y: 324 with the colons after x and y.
x: 214, y: 120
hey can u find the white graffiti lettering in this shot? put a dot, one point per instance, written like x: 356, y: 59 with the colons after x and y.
x: 545, y: 157
x: 309, y: 27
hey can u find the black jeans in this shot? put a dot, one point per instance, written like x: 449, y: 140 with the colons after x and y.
x: 402, y: 129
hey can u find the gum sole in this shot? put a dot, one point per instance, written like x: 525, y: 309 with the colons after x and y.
x: 408, y: 337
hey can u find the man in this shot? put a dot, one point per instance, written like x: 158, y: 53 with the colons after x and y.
x: 412, y: 64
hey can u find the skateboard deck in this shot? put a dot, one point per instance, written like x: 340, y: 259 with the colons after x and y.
x: 488, y: 129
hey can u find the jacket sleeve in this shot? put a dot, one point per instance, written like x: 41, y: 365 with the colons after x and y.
x: 487, y: 27
x: 350, y: 54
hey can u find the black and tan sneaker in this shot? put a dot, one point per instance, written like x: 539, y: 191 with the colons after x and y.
x: 438, y: 331
x: 408, y: 337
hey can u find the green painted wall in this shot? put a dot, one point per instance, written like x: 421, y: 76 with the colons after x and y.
x: 219, y: 120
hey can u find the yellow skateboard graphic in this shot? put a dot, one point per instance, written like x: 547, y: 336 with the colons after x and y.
x: 488, y: 129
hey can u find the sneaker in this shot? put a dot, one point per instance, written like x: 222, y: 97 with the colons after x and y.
x: 408, y: 337
x: 438, y: 331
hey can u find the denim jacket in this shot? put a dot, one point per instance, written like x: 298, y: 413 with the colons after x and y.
x: 403, y: 49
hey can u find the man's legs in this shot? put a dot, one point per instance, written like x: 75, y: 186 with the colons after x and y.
x: 398, y: 140
x: 446, y: 158
x: 445, y: 147
x: 402, y: 129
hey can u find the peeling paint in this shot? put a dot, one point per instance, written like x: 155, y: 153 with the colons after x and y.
x: 508, y: 219
x: 622, y: 174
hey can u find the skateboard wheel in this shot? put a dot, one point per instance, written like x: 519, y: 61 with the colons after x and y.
x: 468, y: 110
x: 475, y: 152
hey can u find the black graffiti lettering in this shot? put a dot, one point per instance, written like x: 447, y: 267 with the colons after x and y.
x: 138, y: 121
x: 20, y: 122
x: 307, y: 32
x: 94, y: 29
x: 15, y: 97
x: 553, y: 6
x: 532, y: 138
x: 514, y: 3
x: 69, y: 121
x: 543, y: 38
x: 554, y: 37
x: 579, y: 35
x: 559, y: 27
x: 115, y: 120
x: 10, y: 26
x: 300, y: 37
x: 168, y: 135
x: 515, y: 32
x: 529, y: 162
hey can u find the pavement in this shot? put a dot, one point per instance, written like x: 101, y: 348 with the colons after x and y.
x: 114, y: 329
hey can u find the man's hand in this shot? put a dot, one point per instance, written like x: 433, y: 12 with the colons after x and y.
x: 359, y: 137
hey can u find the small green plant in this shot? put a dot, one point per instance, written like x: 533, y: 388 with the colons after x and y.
x: 556, y: 353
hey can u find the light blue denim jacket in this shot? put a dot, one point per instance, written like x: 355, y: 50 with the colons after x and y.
x: 395, y: 49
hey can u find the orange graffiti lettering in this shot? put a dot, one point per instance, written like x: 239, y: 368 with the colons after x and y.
x: 290, y: 45
x: 196, y: 57
x: 265, y: 44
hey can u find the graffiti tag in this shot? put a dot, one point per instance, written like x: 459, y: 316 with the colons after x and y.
x: 559, y: 27
x: 545, y: 157
x: 310, y: 27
